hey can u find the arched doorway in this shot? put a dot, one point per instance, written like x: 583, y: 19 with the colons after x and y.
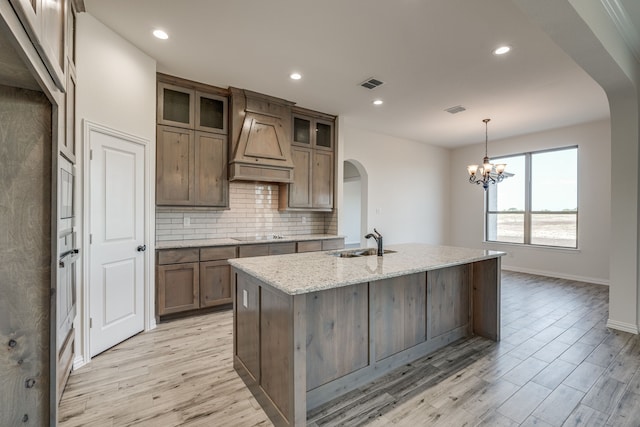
x: 354, y: 203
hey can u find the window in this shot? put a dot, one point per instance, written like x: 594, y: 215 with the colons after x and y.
x: 538, y: 205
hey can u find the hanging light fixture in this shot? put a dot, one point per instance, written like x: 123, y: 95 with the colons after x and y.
x: 488, y: 173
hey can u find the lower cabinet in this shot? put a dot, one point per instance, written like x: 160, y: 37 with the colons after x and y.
x: 215, y: 283
x: 178, y: 288
x: 193, y: 278
x: 203, y: 282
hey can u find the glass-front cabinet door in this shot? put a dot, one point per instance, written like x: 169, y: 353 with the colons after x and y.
x: 324, y: 135
x: 211, y: 112
x: 302, y: 130
x: 175, y: 106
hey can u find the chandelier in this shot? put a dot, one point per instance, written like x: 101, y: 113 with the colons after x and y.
x: 488, y: 173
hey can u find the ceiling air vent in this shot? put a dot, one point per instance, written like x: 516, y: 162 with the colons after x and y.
x: 371, y: 83
x: 456, y: 109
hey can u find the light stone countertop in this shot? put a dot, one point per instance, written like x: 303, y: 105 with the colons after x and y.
x: 197, y: 243
x: 314, y: 271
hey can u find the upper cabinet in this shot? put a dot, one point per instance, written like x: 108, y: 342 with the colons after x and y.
x: 191, y: 109
x: 191, y: 144
x: 313, y: 144
x: 310, y: 131
x: 44, y: 21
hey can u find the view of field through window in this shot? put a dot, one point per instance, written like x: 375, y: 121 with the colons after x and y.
x: 544, y: 214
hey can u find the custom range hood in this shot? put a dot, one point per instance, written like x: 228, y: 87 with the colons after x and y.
x: 260, y: 138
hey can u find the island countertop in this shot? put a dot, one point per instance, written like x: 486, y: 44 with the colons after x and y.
x: 315, y: 271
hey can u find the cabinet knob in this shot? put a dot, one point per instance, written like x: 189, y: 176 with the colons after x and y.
x: 142, y: 248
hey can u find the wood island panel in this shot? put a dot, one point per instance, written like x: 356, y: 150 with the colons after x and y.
x: 400, y: 313
x: 275, y: 348
x: 247, y: 323
x: 337, y: 333
x: 486, y: 294
x: 448, y: 295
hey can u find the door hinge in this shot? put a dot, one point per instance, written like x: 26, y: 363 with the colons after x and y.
x: 90, y: 154
x: 90, y: 238
x: 90, y: 322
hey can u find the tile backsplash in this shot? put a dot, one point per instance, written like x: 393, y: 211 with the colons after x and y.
x: 253, y: 211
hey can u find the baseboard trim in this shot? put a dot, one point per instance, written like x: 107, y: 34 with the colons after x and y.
x: 78, y: 362
x: 622, y: 326
x: 556, y: 275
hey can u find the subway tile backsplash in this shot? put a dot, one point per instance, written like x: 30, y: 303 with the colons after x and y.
x: 253, y: 211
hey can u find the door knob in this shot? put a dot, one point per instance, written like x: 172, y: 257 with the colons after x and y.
x: 142, y: 248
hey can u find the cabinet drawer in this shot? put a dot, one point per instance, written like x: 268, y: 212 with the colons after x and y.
x: 331, y: 244
x: 174, y: 256
x: 253, y: 250
x: 282, y: 248
x: 213, y: 254
x: 310, y: 246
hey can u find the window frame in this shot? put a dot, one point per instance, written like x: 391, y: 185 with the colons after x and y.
x: 528, y: 213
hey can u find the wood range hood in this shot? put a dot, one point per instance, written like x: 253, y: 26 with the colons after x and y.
x: 260, y: 138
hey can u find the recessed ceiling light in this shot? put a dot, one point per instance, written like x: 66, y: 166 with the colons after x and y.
x: 502, y: 50
x: 378, y: 102
x: 295, y: 76
x: 160, y: 34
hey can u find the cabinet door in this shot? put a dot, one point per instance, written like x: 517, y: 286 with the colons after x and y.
x: 175, y: 159
x: 302, y: 130
x: 300, y: 189
x: 68, y: 144
x: 178, y: 288
x: 322, y: 179
x: 323, y: 135
x: 215, y: 283
x: 282, y: 248
x: 211, y: 113
x: 176, y: 106
x: 211, y: 182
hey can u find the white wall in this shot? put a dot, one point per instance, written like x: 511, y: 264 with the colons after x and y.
x: 408, y: 185
x: 588, y: 32
x: 591, y: 261
x: 116, y: 87
x: 351, y: 211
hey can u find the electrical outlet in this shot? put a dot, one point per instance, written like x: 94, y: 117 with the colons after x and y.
x: 378, y: 211
x: 186, y: 221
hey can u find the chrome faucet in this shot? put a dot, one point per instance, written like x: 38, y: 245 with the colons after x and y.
x: 378, y: 238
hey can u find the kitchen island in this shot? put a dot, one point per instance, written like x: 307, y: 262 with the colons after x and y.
x: 310, y: 327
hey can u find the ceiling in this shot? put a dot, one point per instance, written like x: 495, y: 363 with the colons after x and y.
x: 430, y: 54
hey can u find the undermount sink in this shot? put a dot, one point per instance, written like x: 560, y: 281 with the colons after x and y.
x: 355, y: 253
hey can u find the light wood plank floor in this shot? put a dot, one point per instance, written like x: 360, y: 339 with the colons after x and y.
x: 557, y: 365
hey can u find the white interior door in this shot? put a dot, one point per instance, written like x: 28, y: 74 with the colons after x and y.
x: 117, y: 224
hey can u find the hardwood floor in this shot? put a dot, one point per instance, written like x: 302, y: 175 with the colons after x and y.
x: 557, y: 364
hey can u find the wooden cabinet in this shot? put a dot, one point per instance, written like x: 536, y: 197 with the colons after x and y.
x: 192, y: 278
x: 175, y: 166
x: 178, y: 281
x: 312, y: 129
x: 188, y: 279
x: 191, y: 168
x: 312, y: 154
x: 332, y: 244
x: 187, y: 107
x: 191, y: 146
x: 215, y: 283
x: 322, y: 180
